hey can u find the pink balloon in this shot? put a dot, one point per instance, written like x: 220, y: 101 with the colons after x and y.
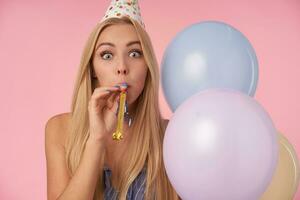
x: 220, y: 144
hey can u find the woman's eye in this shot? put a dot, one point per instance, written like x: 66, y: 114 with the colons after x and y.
x: 136, y: 53
x: 106, y: 55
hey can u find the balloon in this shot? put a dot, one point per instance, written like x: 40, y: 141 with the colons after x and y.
x: 220, y: 144
x: 287, y: 174
x: 208, y: 55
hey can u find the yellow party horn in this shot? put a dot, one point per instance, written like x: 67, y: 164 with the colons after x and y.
x: 117, y: 135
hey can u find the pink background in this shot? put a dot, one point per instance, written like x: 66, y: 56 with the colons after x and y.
x: 40, y: 48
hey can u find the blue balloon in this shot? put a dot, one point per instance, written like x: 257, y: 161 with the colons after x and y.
x: 208, y: 55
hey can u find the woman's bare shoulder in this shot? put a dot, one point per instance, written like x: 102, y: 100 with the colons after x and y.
x: 56, y: 128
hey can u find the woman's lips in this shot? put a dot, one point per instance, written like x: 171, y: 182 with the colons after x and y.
x: 124, y: 85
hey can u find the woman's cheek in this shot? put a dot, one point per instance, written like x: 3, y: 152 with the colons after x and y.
x: 132, y: 95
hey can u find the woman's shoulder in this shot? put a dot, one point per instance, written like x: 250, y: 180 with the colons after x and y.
x: 56, y: 128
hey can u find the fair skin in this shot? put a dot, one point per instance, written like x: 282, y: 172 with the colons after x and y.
x: 121, y: 63
x: 118, y: 57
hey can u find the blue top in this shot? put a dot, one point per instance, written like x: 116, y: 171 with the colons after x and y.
x: 135, y: 191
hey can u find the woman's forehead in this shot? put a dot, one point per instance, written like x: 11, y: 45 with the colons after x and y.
x: 112, y: 44
x: 119, y: 33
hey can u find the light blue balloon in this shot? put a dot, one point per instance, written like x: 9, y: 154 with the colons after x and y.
x: 208, y: 55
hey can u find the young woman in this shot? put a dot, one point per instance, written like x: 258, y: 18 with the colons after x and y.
x: 83, y: 161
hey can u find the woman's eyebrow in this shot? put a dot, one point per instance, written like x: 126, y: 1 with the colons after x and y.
x: 132, y: 43
x: 111, y: 44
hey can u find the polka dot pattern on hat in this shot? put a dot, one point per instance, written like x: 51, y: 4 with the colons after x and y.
x: 119, y: 8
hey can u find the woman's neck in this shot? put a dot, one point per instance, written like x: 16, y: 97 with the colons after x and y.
x: 115, y: 150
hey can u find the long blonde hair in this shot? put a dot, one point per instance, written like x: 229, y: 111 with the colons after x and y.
x: 147, y: 134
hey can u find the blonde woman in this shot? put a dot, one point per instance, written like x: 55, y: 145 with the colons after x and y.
x: 83, y: 161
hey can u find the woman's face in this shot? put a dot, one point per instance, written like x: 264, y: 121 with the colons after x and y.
x: 118, y: 58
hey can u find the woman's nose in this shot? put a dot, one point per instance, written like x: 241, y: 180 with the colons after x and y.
x: 122, y: 67
x: 122, y: 71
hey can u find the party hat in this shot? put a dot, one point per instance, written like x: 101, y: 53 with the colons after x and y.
x: 120, y: 8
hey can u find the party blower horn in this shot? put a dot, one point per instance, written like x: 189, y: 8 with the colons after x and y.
x: 117, y: 135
